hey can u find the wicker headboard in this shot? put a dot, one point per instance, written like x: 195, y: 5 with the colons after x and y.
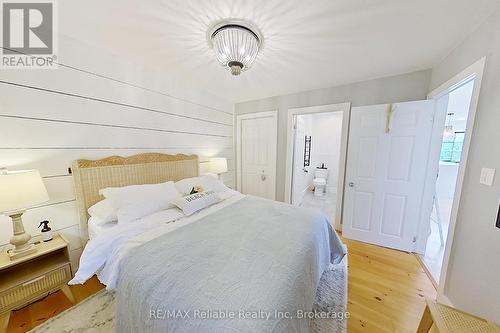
x: 92, y: 175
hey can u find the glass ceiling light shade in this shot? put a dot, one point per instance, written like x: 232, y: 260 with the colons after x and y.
x: 449, y: 132
x: 236, y: 44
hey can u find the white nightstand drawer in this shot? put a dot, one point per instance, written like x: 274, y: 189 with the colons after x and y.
x: 35, y: 287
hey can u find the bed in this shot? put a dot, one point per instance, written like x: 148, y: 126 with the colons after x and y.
x: 245, y: 264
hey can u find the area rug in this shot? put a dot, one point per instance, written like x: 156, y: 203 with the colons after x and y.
x: 96, y: 314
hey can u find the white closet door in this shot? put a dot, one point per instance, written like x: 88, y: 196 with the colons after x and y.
x: 386, y: 173
x: 256, y: 149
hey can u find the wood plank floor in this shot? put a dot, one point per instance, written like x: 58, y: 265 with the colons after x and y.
x: 386, y: 293
x: 386, y: 289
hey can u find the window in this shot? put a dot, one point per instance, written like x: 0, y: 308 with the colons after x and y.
x: 451, y: 149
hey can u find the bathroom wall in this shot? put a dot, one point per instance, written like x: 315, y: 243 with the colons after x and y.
x: 326, y: 129
x: 458, y: 104
x: 302, y: 176
x: 445, y: 187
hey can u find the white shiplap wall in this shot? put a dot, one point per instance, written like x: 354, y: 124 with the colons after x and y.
x: 49, y: 118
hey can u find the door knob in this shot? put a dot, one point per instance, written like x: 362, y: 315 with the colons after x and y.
x: 263, y: 177
x: 351, y: 184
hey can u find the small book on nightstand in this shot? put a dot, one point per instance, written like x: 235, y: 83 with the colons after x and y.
x: 34, y: 276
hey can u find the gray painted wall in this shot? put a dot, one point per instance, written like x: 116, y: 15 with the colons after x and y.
x: 473, y: 280
x: 400, y: 88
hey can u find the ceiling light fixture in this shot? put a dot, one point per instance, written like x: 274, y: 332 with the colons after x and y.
x: 449, y: 132
x: 236, y: 44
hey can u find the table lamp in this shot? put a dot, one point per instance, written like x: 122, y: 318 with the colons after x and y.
x: 218, y: 165
x: 18, y: 191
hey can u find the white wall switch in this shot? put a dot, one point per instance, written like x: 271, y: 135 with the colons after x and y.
x: 487, y: 176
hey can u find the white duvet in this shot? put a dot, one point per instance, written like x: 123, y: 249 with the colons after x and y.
x: 103, y: 253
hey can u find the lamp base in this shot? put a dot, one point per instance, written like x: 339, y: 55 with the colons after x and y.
x: 16, y: 254
x: 20, y: 238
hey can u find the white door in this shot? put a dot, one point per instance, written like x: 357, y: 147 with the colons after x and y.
x: 386, y: 173
x: 256, y: 150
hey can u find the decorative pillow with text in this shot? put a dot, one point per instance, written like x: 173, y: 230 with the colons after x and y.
x: 192, y: 203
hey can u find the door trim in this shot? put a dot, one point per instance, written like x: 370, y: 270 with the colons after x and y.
x: 274, y: 115
x: 346, y: 116
x: 475, y: 71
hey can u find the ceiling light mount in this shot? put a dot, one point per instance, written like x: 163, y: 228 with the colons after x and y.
x: 236, y: 44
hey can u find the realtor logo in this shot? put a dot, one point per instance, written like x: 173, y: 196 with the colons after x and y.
x: 28, y: 34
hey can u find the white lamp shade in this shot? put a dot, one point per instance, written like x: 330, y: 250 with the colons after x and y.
x: 21, y: 189
x: 218, y: 165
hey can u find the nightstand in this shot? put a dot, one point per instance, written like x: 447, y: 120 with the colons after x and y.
x: 30, y: 278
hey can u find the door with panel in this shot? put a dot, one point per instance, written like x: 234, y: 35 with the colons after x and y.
x: 256, y: 150
x: 386, y: 166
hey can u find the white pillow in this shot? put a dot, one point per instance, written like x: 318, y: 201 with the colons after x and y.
x: 97, y: 227
x: 207, y: 182
x: 135, y: 211
x: 227, y: 194
x: 103, y: 211
x: 159, y: 195
x: 166, y: 216
x: 194, y: 202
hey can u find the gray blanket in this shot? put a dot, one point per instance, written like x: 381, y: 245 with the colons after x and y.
x: 253, y: 266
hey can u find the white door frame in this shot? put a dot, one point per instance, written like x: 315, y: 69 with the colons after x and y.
x: 475, y: 71
x: 273, y: 114
x: 346, y: 116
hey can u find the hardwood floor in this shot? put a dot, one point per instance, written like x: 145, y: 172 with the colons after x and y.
x: 386, y: 289
x: 34, y: 314
x: 386, y: 293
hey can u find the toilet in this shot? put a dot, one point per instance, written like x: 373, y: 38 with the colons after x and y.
x: 319, y: 181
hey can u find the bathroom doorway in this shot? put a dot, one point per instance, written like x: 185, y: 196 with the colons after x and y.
x: 454, y: 106
x: 317, y: 164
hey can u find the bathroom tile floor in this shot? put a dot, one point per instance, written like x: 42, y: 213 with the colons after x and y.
x: 326, y: 204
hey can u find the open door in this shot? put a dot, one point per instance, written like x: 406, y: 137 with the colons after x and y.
x: 386, y: 168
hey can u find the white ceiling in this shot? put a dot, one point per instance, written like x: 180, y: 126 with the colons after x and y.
x: 307, y: 44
